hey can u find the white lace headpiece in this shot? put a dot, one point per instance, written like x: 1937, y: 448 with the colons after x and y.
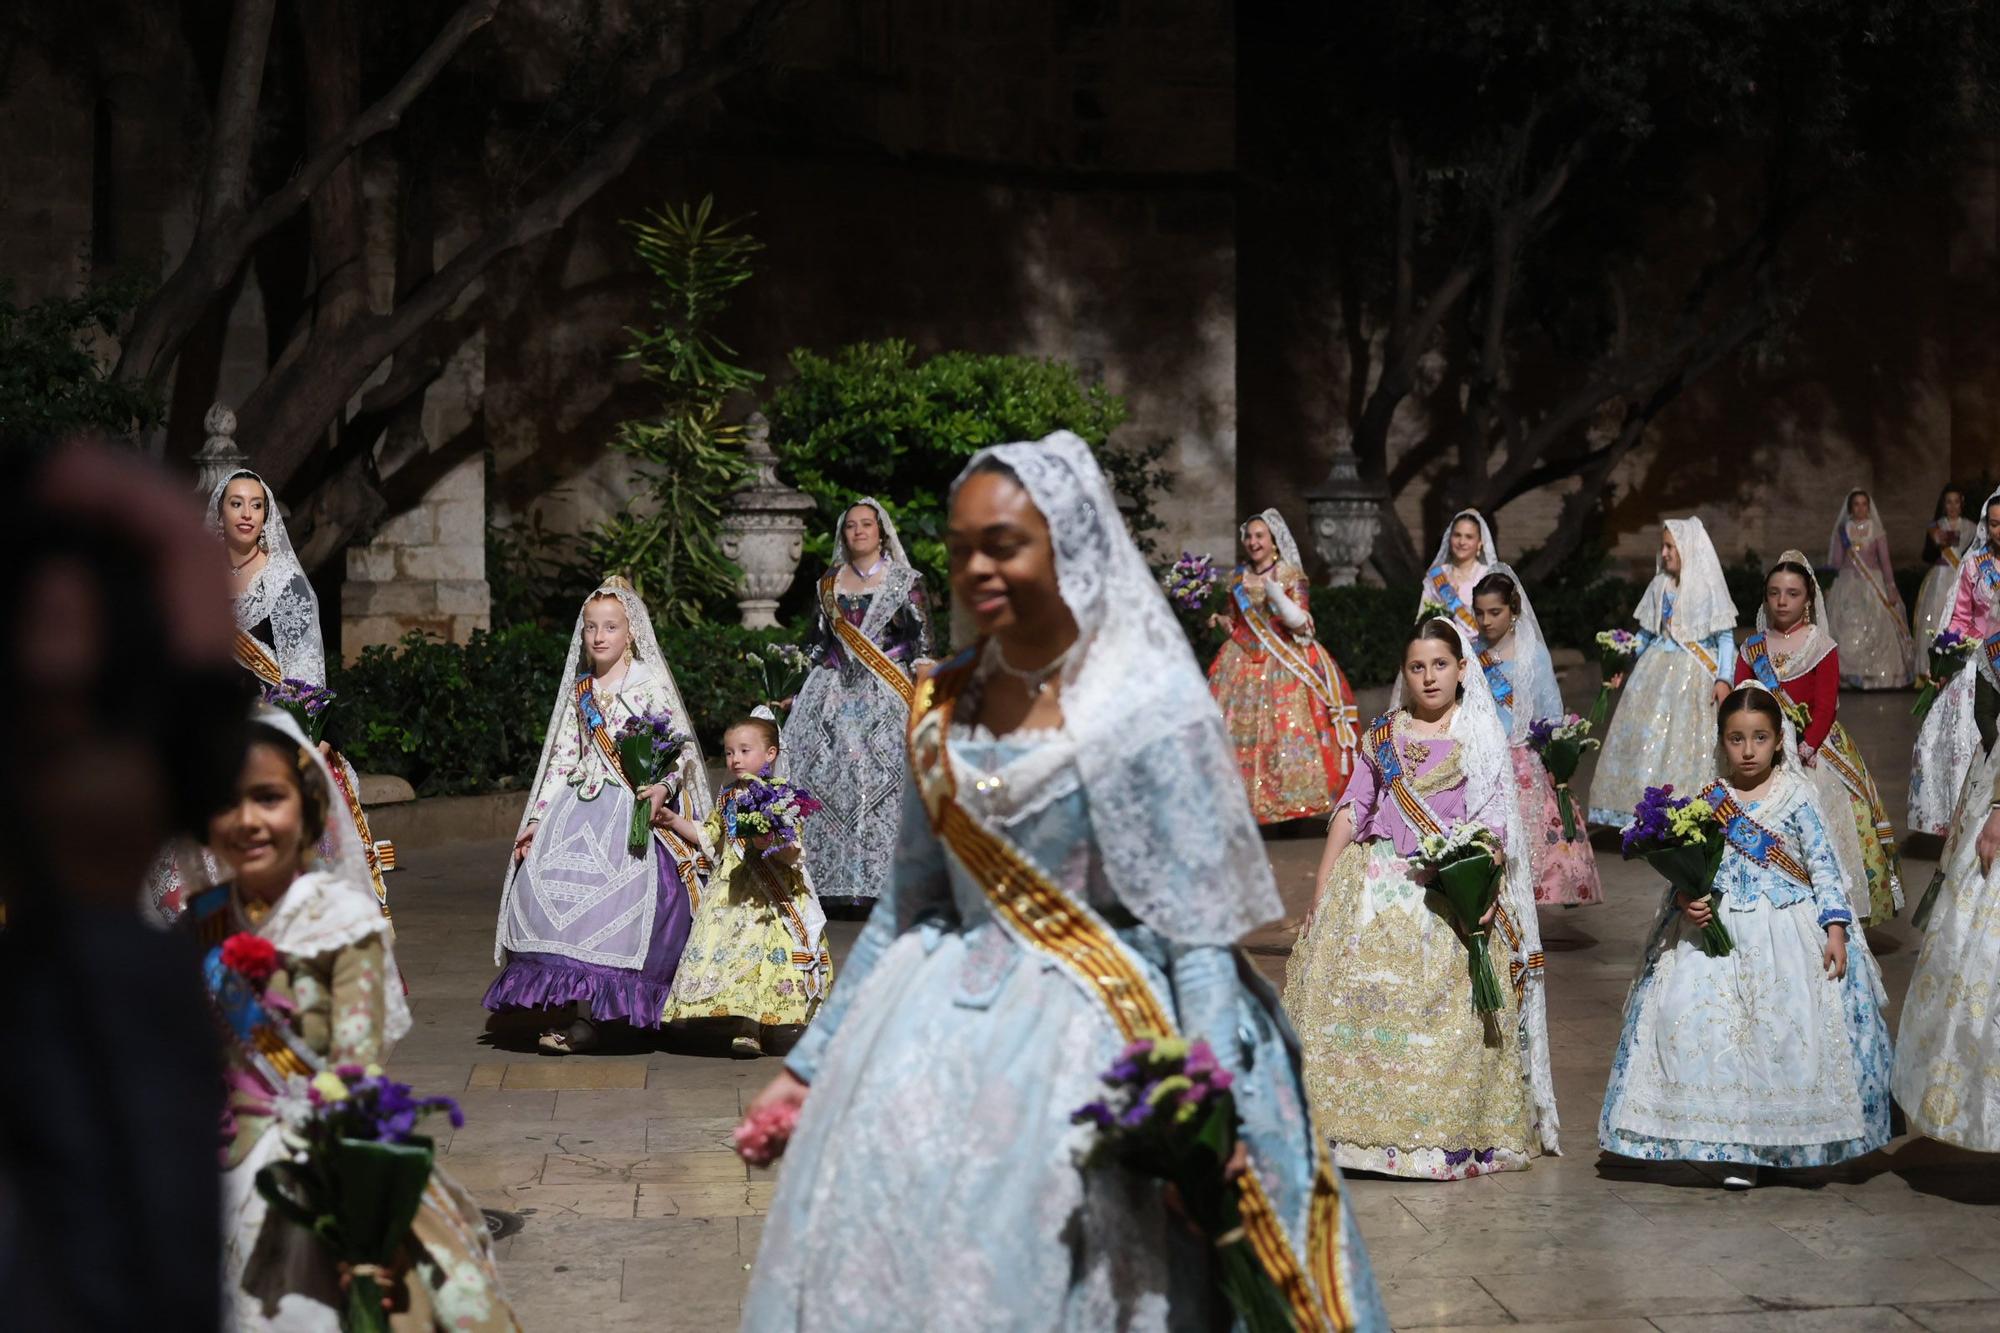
x: 892, y: 545
x: 1173, y: 824
x: 1818, y: 643
x: 1281, y: 537
x: 280, y: 593
x: 645, y: 651
x: 1489, y: 553
x: 1980, y: 543
x: 1537, y: 693
x: 1788, y: 735
x: 894, y: 593
x: 1702, y: 605
x: 1840, y: 523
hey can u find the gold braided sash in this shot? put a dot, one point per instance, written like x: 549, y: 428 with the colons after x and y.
x: 1042, y: 917
x: 255, y: 658
x: 862, y: 647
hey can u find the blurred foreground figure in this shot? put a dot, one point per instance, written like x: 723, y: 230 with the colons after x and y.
x: 122, y: 725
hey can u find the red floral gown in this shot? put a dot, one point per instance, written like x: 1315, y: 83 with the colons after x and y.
x: 1289, y: 710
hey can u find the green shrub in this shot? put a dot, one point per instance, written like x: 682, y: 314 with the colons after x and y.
x: 1365, y: 629
x: 52, y: 378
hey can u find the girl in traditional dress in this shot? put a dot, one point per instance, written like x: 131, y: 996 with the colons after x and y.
x: 1523, y: 682
x: 1864, y: 612
x: 332, y: 1000
x: 1947, y: 1044
x: 1944, y: 543
x: 277, y: 639
x: 1793, y: 656
x: 1289, y: 710
x: 1664, y: 729
x: 1463, y: 558
x: 584, y: 920
x: 1405, y: 1076
x: 756, y: 961
x: 845, y: 731
x: 1947, y: 745
x: 1776, y: 1053
x: 1076, y: 861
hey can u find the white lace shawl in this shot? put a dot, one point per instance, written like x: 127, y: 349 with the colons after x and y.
x: 1702, y: 605
x: 1537, y: 693
x: 1818, y: 643
x: 1180, y: 847
x: 646, y: 649
x: 1485, y: 755
x: 280, y: 593
x: 1281, y: 538
x: 1489, y: 551
x: 894, y: 593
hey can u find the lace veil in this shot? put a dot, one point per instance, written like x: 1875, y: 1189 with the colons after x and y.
x: 1702, y: 604
x: 280, y: 593
x: 1281, y: 537
x: 1489, y: 771
x: 1489, y: 553
x: 1818, y: 643
x: 1980, y: 543
x: 1875, y: 528
x: 1180, y: 848
x: 1537, y: 693
x: 897, y: 580
x: 698, y: 799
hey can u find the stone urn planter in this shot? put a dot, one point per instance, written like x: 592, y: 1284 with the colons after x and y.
x: 1346, y: 513
x: 764, y: 531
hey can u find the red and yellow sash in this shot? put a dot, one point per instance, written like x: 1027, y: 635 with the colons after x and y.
x: 861, y: 646
x: 688, y: 862
x: 1752, y: 839
x: 1757, y: 653
x: 1042, y: 917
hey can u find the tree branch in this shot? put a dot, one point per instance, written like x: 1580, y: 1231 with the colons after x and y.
x: 227, y: 178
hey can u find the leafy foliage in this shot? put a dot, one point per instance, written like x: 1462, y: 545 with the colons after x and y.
x: 1366, y: 629
x: 52, y: 381
x: 873, y: 419
x: 667, y: 538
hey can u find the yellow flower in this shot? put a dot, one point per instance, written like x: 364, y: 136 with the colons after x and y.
x: 329, y: 1087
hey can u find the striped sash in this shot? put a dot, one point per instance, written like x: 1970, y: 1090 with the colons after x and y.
x: 1439, y: 580
x: 863, y: 648
x: 1751, y: 838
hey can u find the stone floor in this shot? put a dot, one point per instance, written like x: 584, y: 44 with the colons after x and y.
x: 635, y: 1214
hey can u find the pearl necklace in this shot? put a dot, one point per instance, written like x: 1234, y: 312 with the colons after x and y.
x: 1034, y: 681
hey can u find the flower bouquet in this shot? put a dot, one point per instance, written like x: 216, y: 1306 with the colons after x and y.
x: 1949, y: 651
x: 1562, y: 743
x: 781, y: 671
x: 306, y: 702
x: 1166, y: 1111
x: 1683, y: 840
x: 760, y: 1140
x: 1431, y: 609
x: 1467, y: 862
x: 648, y: 750
x: 356, y: 1175
x: 762, y: 806
x: 1190, y: 582
x: 1617, y: 650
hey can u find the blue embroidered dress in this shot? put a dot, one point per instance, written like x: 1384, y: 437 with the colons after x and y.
x: 1758, y: 1057
x: 932, y: 1181
x: 1664, y: 729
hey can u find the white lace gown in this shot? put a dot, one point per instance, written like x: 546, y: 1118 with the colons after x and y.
x: 1940, y: 585
x: 1663, y: 731
x: 1865, y: 614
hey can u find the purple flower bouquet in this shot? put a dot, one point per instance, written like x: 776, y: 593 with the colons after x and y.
x: 762, y: 806
x: 356, y: 1175
x: 648, y: 750
x: 781, y: 669
x: 1617, y: 650
x: 306, y: 702
x: 1949, y: 651
x: 1167, y: 1113
x: 1190, y: 581
x: 1683, y: 840
x: 1561, y: 743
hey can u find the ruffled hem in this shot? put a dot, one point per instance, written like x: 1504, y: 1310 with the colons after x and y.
x: 1428, y: 1163
x: 1646, y: 1148
x: 608, y: 994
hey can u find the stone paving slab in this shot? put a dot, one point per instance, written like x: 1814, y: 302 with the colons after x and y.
x: 636, y: 1215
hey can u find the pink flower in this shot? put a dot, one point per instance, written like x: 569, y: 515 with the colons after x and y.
x: 760, y: 1140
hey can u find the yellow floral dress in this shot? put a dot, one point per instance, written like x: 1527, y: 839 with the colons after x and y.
x: 757, y: 951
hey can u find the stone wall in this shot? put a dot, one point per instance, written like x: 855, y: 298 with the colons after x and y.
x: 424, y: 571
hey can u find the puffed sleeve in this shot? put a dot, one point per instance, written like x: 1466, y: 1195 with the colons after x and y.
x: 1362, y: 791
x: 917, y: 882
x: 1965, y: 602
x: 359, y: 1001
x: 907, y: 637
x: 819, y: 644
x: 1721, y: 648
x: 564, y: 756
x: 1830, y: 887
x: 1822, y: 698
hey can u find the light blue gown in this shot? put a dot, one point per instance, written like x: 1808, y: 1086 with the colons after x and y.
x: 1755, y: 1058
x: 1664, y: 730
x: 933, y: 1182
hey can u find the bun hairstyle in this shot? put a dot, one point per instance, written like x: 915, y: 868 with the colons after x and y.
x: 1752, y: 699
x: 1499, y: 585
x: 305, y: 775
x: 1805, y: 577
x: 763, y: 725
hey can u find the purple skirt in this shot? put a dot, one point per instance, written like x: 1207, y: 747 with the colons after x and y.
x: 607, y: 994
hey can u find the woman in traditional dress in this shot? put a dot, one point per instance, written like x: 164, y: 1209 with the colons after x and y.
x: 584, y: 920
x: 1947, y: 1042
x: 1522, y: 679
x: 1793, y: 657
x: 277, y: 640
x: 1664, y: 730
x: 1462, y: 559
x: 1776, y: 1053
x: 844, y: 734
x: 1947, y: 745
x: 1944, y: 544
x: 1075, y: 863
x: 332, y: 1000
x: 1289, y: 710
x: 1864, y: 612
x: 1405, y: 1076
